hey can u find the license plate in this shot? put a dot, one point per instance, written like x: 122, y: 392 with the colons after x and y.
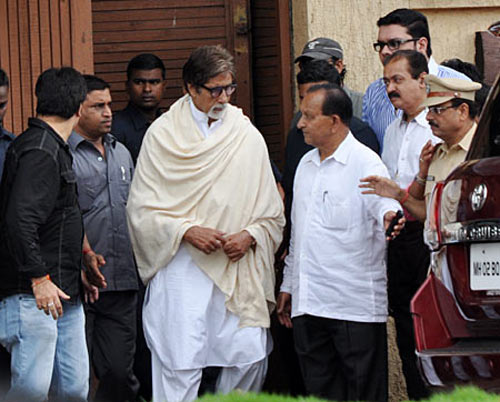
x: 485, y: 266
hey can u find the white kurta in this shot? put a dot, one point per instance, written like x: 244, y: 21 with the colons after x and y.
x: 185, y: 319
x: 187, y: 324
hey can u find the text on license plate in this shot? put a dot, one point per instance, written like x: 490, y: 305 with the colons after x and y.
x: 485, y: 266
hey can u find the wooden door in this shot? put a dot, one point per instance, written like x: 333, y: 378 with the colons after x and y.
x: 36, y: 35
x: 171, y: 29
x: 271, y: 69
x: 257, y: 32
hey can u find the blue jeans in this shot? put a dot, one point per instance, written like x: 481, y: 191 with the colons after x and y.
x: 47, y: 355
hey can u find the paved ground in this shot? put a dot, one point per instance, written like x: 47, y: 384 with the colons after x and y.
x: 397, y: 386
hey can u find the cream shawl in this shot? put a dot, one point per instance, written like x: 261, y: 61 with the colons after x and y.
x: 223, y: 182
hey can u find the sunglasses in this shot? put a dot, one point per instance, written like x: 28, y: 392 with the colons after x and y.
x: 217, y: 91
x: 439, y: 109
x: 392, y: 44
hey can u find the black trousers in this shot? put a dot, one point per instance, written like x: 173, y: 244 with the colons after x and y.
x: 111, y: 336
x: 408, y: 262
x: 142, y: 361
x: 4, y: 372
x: 342, y: 360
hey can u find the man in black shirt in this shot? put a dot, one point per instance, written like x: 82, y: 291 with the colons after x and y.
x: 40, y: 249
x: 145, y: 88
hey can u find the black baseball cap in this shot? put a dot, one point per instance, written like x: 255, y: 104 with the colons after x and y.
x: 321, y: 49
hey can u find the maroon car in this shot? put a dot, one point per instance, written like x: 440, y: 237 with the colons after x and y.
x: 456, y: 312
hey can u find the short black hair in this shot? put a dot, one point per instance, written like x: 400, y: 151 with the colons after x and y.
x: 60, y: 92
x: 336, y: 101
x: 469, y: 69
x: 95, y: 83
x: 317, y: 71
x: 4, y: 79
x: 414, y: 21
x: 416, y: 61
x: 145, y: 61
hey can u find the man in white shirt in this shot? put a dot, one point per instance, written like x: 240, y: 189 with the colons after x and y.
x: 334, y: 281
x: 205, y: 220
x: 401, y: 29
x: 408, y: 256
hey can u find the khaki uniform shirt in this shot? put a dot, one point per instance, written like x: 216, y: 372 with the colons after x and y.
x: 446, y: 159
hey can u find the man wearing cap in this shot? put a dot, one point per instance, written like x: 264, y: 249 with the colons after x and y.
x: 451, y: 116
x: 400, y: 29
x: 330, y: 50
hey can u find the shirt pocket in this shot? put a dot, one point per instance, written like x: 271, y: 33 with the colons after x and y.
x: 68, y: 188
x: 335, y: 213
x: 88, y: 191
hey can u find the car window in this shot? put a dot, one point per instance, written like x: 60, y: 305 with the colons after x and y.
x: 486, y: 142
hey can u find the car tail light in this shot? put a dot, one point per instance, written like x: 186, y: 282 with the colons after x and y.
x: 432, y: 232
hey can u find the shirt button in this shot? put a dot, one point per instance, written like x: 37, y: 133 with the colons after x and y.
x: 99, y: 158
x: 116, y: 230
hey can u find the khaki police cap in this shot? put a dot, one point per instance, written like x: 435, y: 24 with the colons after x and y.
x: 440, y: 90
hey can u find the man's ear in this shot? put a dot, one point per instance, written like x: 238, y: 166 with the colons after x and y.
x: 336, y: 119
x: 421, y: 79
x: 421, y: 46
x: 463, y: 108
x: 79, y: 112
x: 339, y: 65
x: 192, y: 90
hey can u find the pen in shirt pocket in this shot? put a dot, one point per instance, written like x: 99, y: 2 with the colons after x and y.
x: 325, y: 193
x: 123, y: 173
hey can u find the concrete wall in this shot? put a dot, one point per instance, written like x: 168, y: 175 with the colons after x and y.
x: 453, y: 24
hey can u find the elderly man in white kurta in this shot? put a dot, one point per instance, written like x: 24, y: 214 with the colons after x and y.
x: 206, y: 219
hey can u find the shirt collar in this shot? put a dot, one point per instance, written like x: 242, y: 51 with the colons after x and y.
x: 463, y: 144
x: 39, y: 123
x: 76, y: 139
x: 341, y: 154
x: 199, y: 116
x: 433, y: 66
x: 137, y: 117
x: 6, y: 135
x: 419, y: 119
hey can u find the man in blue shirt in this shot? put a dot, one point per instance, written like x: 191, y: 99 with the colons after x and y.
x: 400, y: 29
x: 5, y: 140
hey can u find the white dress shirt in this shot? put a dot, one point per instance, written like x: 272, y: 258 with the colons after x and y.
x: 403, y: 142
x: 336, y: 262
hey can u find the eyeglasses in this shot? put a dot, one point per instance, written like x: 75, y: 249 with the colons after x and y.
x: 392, y: 44
x: 439, y: 109
x: 217, y: 91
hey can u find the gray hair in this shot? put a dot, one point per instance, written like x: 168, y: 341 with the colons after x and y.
x: 205, y: 63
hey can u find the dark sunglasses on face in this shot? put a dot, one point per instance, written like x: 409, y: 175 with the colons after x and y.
x: 392, y: 44
x: 3, y: 104
x: 215, y: 92
x: 439, y: 109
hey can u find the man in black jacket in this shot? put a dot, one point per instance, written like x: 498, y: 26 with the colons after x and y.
x: 41, y: 237
x: 313, y: 73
